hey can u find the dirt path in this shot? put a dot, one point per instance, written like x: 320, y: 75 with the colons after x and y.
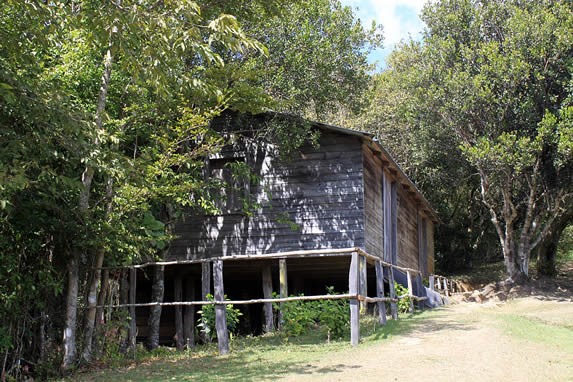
x: 522, y: 340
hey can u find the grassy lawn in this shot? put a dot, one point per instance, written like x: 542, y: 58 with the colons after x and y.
x: 251, y: 358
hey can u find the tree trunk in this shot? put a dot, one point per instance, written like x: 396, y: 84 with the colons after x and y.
x: 70, y: 348
x: 157, y: 291
x: 71, y: 312
x: 95, y: 282
x: 547, y: 249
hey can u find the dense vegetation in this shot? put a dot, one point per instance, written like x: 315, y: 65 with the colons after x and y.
x: 104, y: 125
x: 480, y: 112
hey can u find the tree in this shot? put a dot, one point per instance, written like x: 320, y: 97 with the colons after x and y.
x: 317, y: 63
x: 501, y: 89
x: 429, y: 154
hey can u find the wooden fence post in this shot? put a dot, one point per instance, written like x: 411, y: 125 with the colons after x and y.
x: 283, y: 288
x: 205, y: 290
x: 362, y: 284
x: 393, y: 306
x: 380, y: 291
x: 268, y: 293
x: 132, y: 319
x: 410, y: 291
x: 431, y: 282
x: 178, y: 297
x: 353, y: 287
x: 189, y: 316
x: 220, y: 309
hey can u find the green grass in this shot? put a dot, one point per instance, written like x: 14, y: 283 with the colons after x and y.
x: 251, y: 358
x: 558, y: 336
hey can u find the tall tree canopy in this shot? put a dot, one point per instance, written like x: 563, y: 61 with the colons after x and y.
x: 492, y: 80
x: 104, y: 126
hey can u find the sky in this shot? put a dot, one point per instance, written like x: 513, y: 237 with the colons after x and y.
x: 398, y: 17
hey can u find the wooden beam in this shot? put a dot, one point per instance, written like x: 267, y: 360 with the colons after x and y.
x: 189, y: 316
x: 178, y: 297
x: 410, y: 291
x: 363, y: 282
x: 268, y: 294
x: 380, y: 292
x: 353, y: 287
x: 205, y: 290
x: 220, y: 309
x: 392, y: 290
x: 283, y: 281
x: 132, y: 318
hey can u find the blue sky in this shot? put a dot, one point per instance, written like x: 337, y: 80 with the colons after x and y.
x: 398, y: 17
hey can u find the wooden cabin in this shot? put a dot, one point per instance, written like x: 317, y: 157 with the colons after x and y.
x: 342, y: 191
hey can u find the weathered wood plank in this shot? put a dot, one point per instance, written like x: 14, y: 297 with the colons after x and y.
x: 353, y: 287
x: 177, y: 297
x: 392, y: 290
x: 267, y: 294
x: 205, y: 288
x: 132, y: 318
x: 283, y: 281
x: 189, y: 317
x: 363, y: 269
x: 380, y: 292
x: 220, y: 310
x: 410, y: 291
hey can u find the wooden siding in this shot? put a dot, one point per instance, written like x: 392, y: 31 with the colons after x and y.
x: 407, y: 231
x: 430, y: 238
x: 373, y: 204
x: 312, y: 201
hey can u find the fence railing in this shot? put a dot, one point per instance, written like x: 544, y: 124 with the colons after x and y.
x: 357, y: 292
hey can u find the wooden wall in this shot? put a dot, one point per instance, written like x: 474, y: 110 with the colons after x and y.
x: 373, y: 205
x: 314, y: 200
x: 408, y: 219
x: 407, y: 230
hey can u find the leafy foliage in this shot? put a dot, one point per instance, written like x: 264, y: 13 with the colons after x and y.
x: 302, y: 316
x: 206, y: 322
x: 404, y: 301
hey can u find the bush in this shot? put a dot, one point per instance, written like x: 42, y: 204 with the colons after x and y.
x: 207, y: 321
x: 301, y: 316
x: 403, y: 303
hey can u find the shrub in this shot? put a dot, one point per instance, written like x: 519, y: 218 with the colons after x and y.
x: 207, y: 320
x: 404, y: 302
x: 301, y: 316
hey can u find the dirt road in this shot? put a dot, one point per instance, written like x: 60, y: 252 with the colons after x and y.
x: 527, y: 339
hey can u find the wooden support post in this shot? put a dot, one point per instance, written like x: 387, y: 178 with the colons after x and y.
x: 189, y: 315
x: 268, y: 293
x: 132, y: 320
x: 283, y: 288
x: 362, y: 285
x: 410, y: 291
x: 178, y: 297
x: 380, y: 291
x: 393, y: 305
x: 431, y: 282
x: 124, y: 299
x: 220, y: 309
x: 205, y: 290
x: 353, y: 287
x: 154, y: 319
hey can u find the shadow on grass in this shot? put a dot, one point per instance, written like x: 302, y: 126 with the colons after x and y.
x: 431, y: 321
x: 272, y: 357
x: 238, y: 366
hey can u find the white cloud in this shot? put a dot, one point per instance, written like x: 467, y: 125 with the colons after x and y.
x: 398, y: 17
